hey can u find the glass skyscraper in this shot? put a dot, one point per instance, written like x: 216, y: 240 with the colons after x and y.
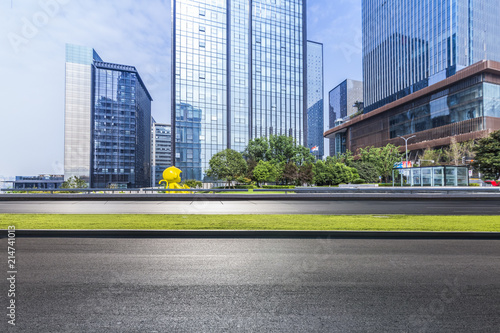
x: 107, y: 122
x: 409, y: 45
x: 341, y: 105
x: 315, y: 108
x: 239, y: 70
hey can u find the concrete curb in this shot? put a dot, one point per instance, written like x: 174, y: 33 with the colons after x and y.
x: 247, y: 197
x: 291, y: 234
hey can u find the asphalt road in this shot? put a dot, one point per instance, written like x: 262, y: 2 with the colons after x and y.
x: 428, y: 207
x: 254, y: 285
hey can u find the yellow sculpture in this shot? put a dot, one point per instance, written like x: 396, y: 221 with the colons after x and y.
x: 172, y: 178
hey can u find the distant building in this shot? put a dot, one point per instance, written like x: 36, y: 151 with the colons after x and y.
x: 107, y: 137
x: 315, y: 107
x: 49, y: 182
x: 341, y: 106
x: 241, y: 66
x: 161, y: 149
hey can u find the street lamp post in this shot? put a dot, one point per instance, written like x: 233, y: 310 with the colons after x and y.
x: 406, y: 145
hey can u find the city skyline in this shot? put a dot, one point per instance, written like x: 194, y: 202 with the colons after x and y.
x: 130, y: 32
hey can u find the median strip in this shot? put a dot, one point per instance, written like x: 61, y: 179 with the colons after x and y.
x: 414, y: 223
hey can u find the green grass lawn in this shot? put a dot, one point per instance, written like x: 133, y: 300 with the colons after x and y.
x: 253, y: 222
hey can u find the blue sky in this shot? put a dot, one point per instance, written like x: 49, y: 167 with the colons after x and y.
x: 33, y: 34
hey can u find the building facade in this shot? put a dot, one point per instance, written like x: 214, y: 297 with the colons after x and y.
x: 315, y: 105
x: 341, y: 106
x: 49, y: 182
x: 107, y: 122
x: 409, y: 45
x: 465, y: 106
x: 161, y: 150
x: 239, y: 73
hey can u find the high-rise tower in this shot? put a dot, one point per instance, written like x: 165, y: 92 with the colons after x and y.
x: 409, y: 45
x: 239, y: 73
x: 107, y: 129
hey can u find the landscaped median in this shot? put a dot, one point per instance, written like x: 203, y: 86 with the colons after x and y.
x: 252, y: 222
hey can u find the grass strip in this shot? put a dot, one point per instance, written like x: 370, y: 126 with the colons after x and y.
x: 252, y: 222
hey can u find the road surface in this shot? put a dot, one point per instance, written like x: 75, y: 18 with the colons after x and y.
x: 428, y: 207
x: 255, y: 285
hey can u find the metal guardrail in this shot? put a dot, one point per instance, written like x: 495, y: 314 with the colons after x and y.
x: 326, y: 190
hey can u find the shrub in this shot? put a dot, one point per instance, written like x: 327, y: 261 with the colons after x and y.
x: 474, y: 184
x: 244, y: 187
x: 359, y: 181
x: 192, y: 183
x: 279, y: 186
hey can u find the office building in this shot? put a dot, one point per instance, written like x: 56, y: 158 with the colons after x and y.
x: 465, y: 106
x: 431, y: 72
x: 315, y: 108
x: 344, y: 101
x: 40, y: 182
x: 238, y: 73
x: 410, y: 45
x: 161, y: 150
x: 107, y: 122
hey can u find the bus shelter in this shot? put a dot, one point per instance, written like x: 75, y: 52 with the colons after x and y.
x: 444, y: 175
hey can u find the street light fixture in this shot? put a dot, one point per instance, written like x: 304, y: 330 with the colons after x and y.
x: 406, y: 145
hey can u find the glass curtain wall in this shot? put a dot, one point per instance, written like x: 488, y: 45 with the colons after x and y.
x: 78, y: 111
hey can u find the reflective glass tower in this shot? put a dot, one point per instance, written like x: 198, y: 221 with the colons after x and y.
x: 315, y: 123
x: 409, y: 45
x: 107, y: 122
x: 239, y: 70
x: 341, y: 106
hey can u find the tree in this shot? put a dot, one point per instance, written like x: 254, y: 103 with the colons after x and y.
x: 264, y: 171
x: 366, y: 171
x: 257, y: 149
x: 487, y: 159
x: 227, y: 165
x: 74, y: 182
x: 281, y: 148
x: 306, y: 174
x: 346, y: 158
x: 456, y: 151
x: 303, y: 155
x: 326, y: 173
x: 382, y: 159
x: 431, y: 157
x: 290, y: 173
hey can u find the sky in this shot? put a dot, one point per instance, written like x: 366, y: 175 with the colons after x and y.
x: 33, y: 34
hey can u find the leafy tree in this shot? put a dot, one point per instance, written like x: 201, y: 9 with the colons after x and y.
x: 456, y: 151
x: 322, y: 174
x: 430, y: 155
x: 290, y: 173
x: 382, y: 158
x: 366, y: 172
x: 303, y: 155
x: 227, y: 165
x: 306, y: 174
x: 257, y: 149
x: 333, y: 174
x: 74, y: 182
x: 487, y: 159
x: 250, y: 166
x: 264, y: 171
x: 281, y: 148
x: 346, y: 158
